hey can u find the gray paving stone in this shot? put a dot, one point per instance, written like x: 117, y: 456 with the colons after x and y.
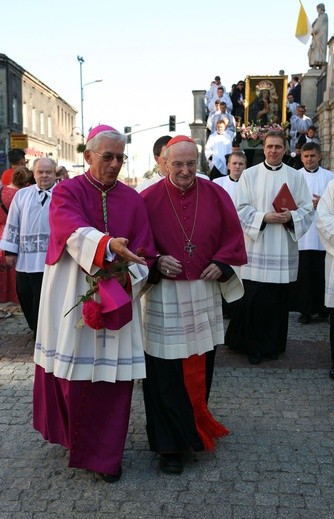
x: 276, y: 463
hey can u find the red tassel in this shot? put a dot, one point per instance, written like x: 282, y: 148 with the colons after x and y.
x: 194, y: 378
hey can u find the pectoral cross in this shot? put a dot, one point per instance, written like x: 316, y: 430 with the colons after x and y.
x: 190, y: 248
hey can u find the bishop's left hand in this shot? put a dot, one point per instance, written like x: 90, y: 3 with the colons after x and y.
x: 212, y: 272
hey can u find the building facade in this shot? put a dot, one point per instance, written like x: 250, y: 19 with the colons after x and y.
x: 36, y: 115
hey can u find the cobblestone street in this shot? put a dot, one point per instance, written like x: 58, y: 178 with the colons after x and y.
x: 276, y: 463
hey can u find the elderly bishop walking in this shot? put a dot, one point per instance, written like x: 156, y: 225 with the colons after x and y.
x: 198, y: 235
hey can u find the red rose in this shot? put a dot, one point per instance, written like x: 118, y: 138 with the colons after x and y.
x: 92, y: 314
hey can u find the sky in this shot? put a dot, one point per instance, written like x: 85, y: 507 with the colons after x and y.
x: 151, y: 55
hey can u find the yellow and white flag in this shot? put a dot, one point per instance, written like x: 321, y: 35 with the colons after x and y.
x: 303, y: 28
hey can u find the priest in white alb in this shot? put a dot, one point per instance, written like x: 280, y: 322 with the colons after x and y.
x: 259, y: 324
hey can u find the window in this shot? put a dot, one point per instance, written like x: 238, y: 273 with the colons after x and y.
x: 25, y: 115
x: 49, y: 126
x: 15, y: 111
x: 33, y: 119
x: 41, y: 123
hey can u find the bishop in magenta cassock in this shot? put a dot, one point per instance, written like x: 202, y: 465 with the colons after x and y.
x: 84, y: 376
x: 198, y: 236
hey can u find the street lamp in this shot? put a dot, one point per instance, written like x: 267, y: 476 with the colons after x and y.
x: 82, y: 86
x: 81, y: 61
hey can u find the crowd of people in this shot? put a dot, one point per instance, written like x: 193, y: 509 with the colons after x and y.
x: 119, y: 285
x: 226, y: 117
x: 24, y: 231
x: 296, y: 271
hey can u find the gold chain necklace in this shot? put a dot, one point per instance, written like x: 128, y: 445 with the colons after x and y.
x: 104, y: 201
x: 190, y: 247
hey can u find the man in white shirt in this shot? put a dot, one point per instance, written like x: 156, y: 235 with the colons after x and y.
x: 307, y: 295
x: 223, y: 114
x: 236, y: 164
x: 211, y: 94
x: 309, y: 136
x: 291, y: 106
x: 221, y: 96
x: 300, y: 123
x: 325, y: 225
x: 209, y: 126
x: 218, y: 145
x: 26, y: 235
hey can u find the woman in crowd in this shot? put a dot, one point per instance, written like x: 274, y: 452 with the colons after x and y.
x: 8, y: 294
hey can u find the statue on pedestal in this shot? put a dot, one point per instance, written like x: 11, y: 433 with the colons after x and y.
x: 318, y: 49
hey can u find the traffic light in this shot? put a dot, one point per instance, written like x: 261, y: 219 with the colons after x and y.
x: 127, y: 129
x: 172, y: 123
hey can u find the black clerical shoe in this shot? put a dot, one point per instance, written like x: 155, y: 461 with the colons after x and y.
x: 304, y: 319
x: 272, y: 356
x: 112, y: 478
x: 331, y: 372
x: 323, y: 316
x: 171, y: 463
x: 255, y: 358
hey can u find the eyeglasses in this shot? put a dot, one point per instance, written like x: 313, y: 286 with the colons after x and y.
x: 178, y: 164
x: 109, y: 157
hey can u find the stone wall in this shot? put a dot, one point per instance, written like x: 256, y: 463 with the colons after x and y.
x: 324, y: 118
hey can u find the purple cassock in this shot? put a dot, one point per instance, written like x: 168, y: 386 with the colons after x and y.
x: 84, y: 377
x: 183, y: 320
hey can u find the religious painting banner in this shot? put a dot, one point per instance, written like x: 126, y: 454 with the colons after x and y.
x: 265, y: 100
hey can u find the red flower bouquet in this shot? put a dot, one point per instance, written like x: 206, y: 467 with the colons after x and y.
x: 115, y: 307
x: 92, y: 315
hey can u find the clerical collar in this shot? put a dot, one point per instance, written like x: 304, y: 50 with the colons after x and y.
x: 273, y: 168
x: 233, y: 179
x: 97, y: 183
x: 179, y: 188
x: 311, y: 170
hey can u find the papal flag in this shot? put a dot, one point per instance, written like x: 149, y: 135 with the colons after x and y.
x: 303, y: 28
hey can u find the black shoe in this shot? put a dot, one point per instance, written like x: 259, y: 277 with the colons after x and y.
x: 171, y: 463
x: 112, y: 478
x: 256, y: 358
x: 323, y: 316
x: 272, y: 356
x: 305, y: 319
x: 331, y: 372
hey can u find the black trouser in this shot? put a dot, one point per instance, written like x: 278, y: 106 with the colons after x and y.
x: 28, y: 287
x: 331, y: 333
x: 307, y: 293
x: 259, y: 323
